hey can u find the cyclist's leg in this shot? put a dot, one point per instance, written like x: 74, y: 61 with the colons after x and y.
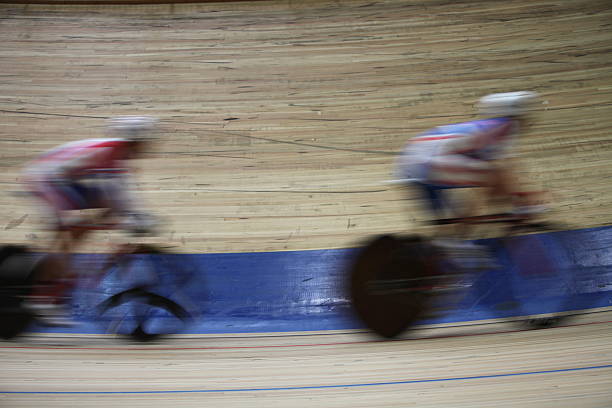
x: 506, y: 187
x: 54, y: 201
x: 63, y: 199
x: 440, y: 179
x: 497, y: 180
x: 501, y: 184
x: 74, y: 230
x: 454, y: 186
x: 436, y: 199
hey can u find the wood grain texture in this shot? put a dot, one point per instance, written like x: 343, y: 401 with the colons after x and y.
x: 281, y: 120
x: 475, y: 366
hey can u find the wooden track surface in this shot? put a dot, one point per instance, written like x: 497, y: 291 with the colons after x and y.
x: 280, y: 125
x: 475, y: 366
x: 281, y: 120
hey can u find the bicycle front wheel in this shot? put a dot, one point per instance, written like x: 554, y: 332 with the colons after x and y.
x: 146, y: 310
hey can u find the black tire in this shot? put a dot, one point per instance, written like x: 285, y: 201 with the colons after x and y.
x: 14, y: 321
x: 388, y: 283
x: 142, y: 296
x: 545, y: 322
x: 17, y: 270
x: 16, y: 267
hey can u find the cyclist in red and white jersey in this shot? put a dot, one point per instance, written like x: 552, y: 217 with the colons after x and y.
x: 83, y: 175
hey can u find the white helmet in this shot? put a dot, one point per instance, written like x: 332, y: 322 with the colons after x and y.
x: 133, y: 127
x: 506, y: 104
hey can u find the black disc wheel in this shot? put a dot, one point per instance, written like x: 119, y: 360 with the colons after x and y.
x: 388, y: 283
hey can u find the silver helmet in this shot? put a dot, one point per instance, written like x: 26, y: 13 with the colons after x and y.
x: 133, y: 127
x: 507, y: 104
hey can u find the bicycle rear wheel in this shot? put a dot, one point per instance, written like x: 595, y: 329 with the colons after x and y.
x: 389, y: 283
x: 17, y: 270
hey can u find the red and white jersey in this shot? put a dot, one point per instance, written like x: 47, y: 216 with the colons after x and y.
x: 81, y: 158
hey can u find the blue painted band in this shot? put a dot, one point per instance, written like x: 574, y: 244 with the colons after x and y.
x: 305, y: 290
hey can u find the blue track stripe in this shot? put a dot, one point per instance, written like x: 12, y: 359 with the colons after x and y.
x: 316, y: 387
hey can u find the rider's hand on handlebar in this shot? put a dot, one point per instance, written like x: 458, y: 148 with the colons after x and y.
x: 140, y: 223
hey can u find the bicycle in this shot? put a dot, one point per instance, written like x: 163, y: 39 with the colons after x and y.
x: 138, y: 304
x: 395, y: 281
